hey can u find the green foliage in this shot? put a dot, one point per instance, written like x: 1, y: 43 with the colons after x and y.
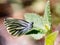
x: 40, y: 22
x: 50, y: 39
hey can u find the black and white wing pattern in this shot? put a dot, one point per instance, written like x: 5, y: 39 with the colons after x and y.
x: 17, y: 27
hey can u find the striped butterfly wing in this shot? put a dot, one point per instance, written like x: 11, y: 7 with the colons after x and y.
x: 17, y: 27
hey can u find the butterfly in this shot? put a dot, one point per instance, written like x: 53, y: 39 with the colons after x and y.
x: 17, y: 26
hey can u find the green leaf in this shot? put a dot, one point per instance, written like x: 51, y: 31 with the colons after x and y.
x: 47, y: 15
x: 49, y: 40
x: 40, y: 22
x: 37, y: 36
